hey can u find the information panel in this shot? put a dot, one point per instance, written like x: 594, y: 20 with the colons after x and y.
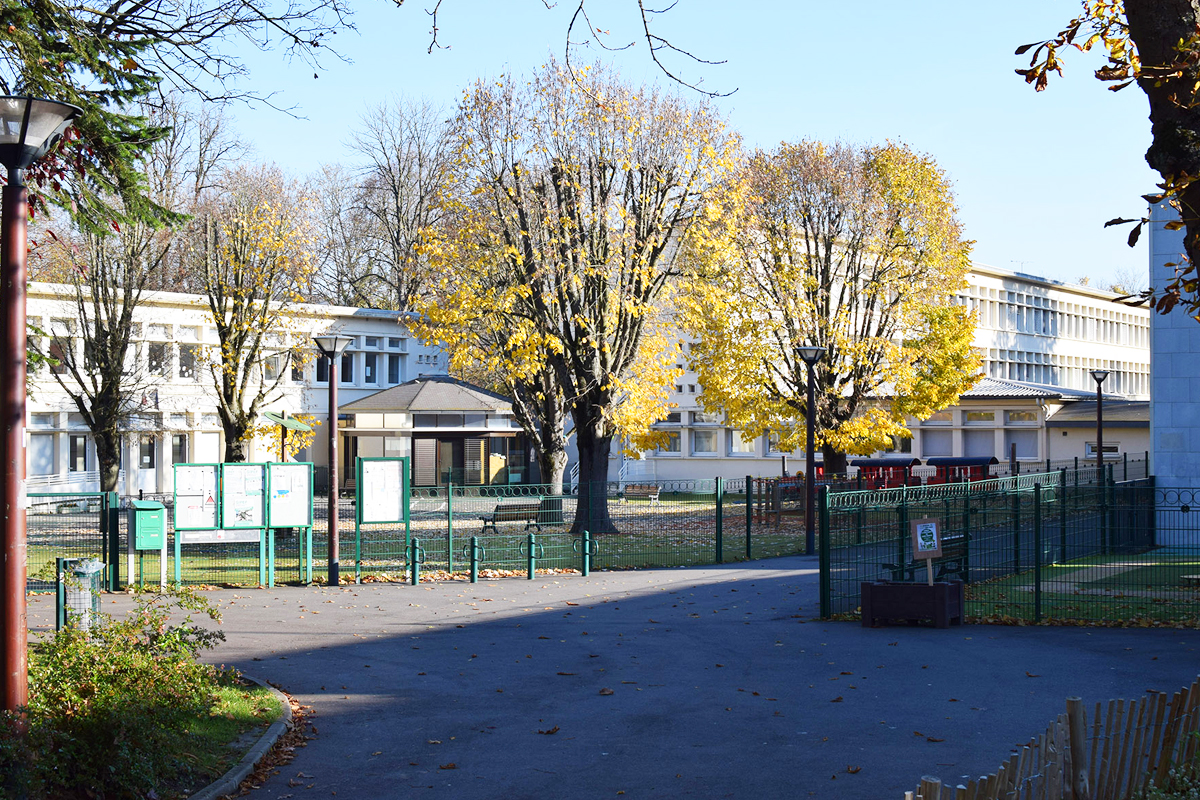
x: 243, y: 496
x: 290, y: 501
x: 219, y: 535
x: 382, y: 489
x: 196, y: 497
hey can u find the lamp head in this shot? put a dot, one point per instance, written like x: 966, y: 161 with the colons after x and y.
x: 1098, y: 375
x: 332, y: 345
x: 29, y: 127
x: 809, y: 354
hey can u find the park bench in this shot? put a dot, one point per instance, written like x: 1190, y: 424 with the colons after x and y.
x: 517, y: 509
x: 637, y: 491
x: 953, y: 561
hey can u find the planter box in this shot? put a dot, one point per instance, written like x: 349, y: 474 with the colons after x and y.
x: 884, y: 602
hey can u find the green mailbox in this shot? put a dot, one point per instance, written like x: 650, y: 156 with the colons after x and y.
x: 148, y: 524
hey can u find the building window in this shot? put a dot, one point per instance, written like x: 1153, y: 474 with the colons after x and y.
x: 394, y: 342
x: 979, y: 444
x: 370, y: 375
x: 43, y: 420
x: 1112, y: 450
x: 1026, y: 443
x: 78, y: 453
x: 41, y: 454
x: 1020, y: 417
x: 704, y: 443
x: 979, y: 417
x: 271, y: 368
x: 322, y: 369
x: 740, y: 444
x: 156, y: 358
x: 943, y: 417
x: 297, y: 370
x: 900, y: 444
x: 673, y: 418
x: 59, y: 348
x: 179, y: 448
x: 936, y: 443
x: 346, y: 370
x: 372, y: 341
x: 146, y: 458
x: 671, y: 445
x: 187, y: 361
x: 707, y: 418
x: 393, y: 369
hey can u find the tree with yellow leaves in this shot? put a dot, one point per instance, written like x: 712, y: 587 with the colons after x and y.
x: 575, y: 201
x: 255, y: 255
x: 853, y: 249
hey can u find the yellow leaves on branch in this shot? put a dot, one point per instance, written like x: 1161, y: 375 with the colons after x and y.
x: 856, y: 250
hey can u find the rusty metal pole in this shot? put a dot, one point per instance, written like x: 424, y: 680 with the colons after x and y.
x: 333, y: 471
x: 12, y: 442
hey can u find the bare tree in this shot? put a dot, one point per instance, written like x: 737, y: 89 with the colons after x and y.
x: 407, y: 153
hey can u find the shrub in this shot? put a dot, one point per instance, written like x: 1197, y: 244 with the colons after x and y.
x: 108, y: 708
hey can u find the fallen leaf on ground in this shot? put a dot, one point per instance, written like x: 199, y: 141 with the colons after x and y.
x: 550, y: 732
x: 853, y: 770
x: 451, y: 765
x: 606, y: 691
x: 1029, y: 674
x: 837, y: 699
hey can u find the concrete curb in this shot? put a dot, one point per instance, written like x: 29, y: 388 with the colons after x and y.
x: 228, y: 783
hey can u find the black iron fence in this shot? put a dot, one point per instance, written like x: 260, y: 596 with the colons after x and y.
x: 1043, y: 547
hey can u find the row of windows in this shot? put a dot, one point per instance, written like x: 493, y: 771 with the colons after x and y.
x: 1042, y: 316
x: 707, y: 443
x: 1069, y: 372
x: 946, y: 417
x: 80, y: 455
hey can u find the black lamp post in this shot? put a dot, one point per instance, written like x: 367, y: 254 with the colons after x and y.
x: 1099, y: 375
x: 29, y: 127
x: 332, y: 348
x: 810, y: 356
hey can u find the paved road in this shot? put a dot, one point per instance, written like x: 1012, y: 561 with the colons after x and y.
x: 707, y: 682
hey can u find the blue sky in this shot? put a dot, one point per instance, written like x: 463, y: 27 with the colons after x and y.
x: 1035, y: 174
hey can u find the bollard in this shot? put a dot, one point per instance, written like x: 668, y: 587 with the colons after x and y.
x: 416, y: 557
x: 531, y: 555
x: 587, y: 553
x: 474, y: 554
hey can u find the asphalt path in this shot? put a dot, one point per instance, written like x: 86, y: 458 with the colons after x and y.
x: 714, y: 682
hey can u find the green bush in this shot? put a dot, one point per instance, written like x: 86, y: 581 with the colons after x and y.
x: 109, y: 708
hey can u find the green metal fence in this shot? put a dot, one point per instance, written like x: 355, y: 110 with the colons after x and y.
x: 1043, y: 547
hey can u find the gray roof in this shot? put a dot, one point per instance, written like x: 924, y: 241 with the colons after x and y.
x: 1117, y: 413
x: 431, y: 394
x: 1001, y: 389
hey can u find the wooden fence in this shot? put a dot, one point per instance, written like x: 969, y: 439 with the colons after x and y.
x: 1127, y: 744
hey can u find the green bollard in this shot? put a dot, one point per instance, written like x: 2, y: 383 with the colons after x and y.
x: 530, y: 555
x: 415, y: 556
x: 587, y: 554
x: 473, y: 556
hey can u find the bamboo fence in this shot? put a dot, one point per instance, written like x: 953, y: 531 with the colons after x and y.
x: 1127, y: 744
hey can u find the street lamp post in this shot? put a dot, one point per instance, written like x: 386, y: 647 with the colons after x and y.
x: 29, y: 127
x: 810, y: 356
x: 332, y: 348
x: 1099, y: 375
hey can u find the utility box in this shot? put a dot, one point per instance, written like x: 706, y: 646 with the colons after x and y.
x: 148, y: 524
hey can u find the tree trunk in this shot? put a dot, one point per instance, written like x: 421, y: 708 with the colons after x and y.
x: 1156, y: 27
x: 592, y: 509
x: 833, y: 462
x: 235, y: 440
x: 108, y: 457
x: 552, y: 462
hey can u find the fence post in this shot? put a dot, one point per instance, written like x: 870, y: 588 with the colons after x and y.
x: 1077, y: 735
x: 1125, y: 461
x: 1062, y: 516
x: 902, y: 533
x: 112, y: 509
x: 720, y: 544
x: 450, y: 527
x: 749, y: 513
x: 966, y: 523
x: 823, y: 551
x: 1016, y: 527
x: 1037, y: 552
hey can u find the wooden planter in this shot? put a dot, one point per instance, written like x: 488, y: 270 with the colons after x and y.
x: 885, y: 602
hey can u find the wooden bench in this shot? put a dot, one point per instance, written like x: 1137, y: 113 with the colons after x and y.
x: 952, y: 562
x: 517, y: 509
x: 637, y: 491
